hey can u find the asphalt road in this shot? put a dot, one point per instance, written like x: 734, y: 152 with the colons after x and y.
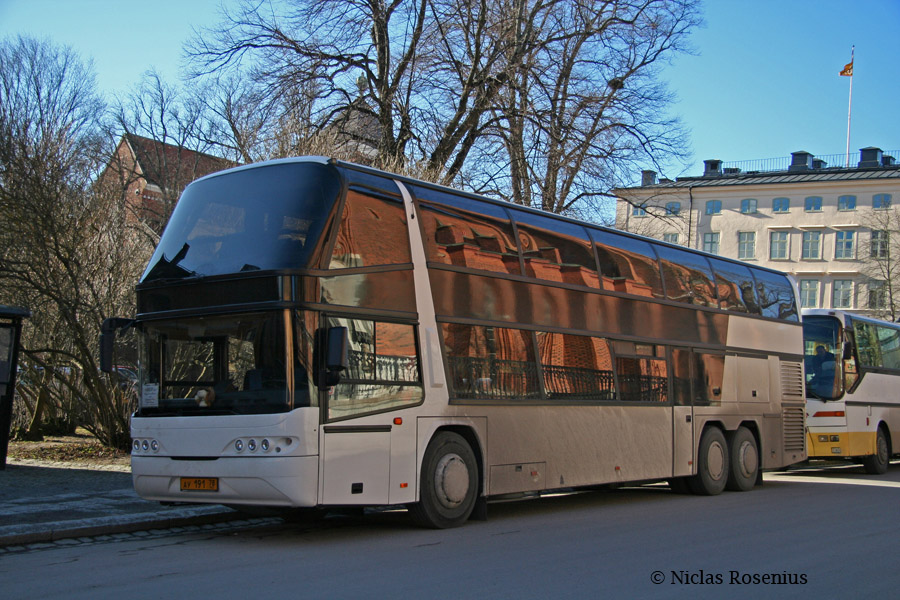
x: 811, y: 533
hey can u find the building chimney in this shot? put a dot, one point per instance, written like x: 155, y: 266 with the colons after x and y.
x: 869, y: 157
x: 801, y: 161
x: 887, y: 160
x: 712, y: 168
x: 648, y: 178
x: 818, y: 163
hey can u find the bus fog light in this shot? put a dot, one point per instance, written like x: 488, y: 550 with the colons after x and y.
x: 823, y: 438
x: 835, y: 450
x: 251, y: 445
x: 264, y: 445
x: 154, y: 445
x: 136, y: 445
x: 145, y: 445
x: 835, y: 438
x: 239, y: 445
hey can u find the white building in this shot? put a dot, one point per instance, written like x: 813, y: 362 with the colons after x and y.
x: 829, y: 227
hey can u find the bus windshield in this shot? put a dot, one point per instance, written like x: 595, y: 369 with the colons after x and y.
x: 234, y: 364
x: 269, y: 217
x: 821, y: 352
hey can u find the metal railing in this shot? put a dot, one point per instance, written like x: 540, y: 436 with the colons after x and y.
x: 769, y: 165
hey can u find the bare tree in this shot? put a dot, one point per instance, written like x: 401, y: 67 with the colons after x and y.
x: 880, y: 264
x: 67, y: 252
x: 548, y: 103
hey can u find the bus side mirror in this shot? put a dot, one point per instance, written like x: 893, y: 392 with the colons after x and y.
x: 108, y: 341
x: 337, y: 351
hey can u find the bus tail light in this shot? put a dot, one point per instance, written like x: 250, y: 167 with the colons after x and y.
x: 829, y: 413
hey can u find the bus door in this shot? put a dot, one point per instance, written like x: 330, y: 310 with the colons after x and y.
x: 697, y: 382
x: 365, y: 431
x: 683, y: 412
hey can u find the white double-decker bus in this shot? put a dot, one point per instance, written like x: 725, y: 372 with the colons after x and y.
x: 317, y: 333
x: 852, y: 387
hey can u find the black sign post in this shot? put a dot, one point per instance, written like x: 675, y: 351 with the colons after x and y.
x: 10, y: 334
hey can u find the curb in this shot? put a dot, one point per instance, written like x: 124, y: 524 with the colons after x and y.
x: 60, y: 530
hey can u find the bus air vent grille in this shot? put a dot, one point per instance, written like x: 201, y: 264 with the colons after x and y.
x: 794, y: 435
x: 791, y: 380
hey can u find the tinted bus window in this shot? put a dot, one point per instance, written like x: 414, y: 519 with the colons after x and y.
x: 643, y: 376
x: 776, y: 296
x: 734, y: 284
x: 576, y: 367
x: 245, y: 220
x: 372, y: 232
x: 466, y: 233
x: 627, y: 265
x: 491, y: 362
x: 556, y: 250
x: 688, y: 277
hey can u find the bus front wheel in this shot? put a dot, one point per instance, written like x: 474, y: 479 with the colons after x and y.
x: 712, y: 464
x: 877, y: 463
x: 449, y: 483
x: 744, y: 463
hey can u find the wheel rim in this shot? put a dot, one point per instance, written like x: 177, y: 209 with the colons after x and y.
x: 451, y: 481
x: 747, y: 460
x: 715, y: 461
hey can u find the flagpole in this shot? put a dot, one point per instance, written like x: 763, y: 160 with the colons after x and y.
x: 850, y: 106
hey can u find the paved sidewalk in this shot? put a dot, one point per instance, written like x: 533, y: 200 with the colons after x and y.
x: 43, y: 502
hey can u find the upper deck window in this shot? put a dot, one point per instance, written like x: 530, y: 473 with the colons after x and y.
x: 466, y: 233
x: 627, y: 265
x: 260, y: 218
x: 556, y: 250
x: 688, y: 277
x: 372, y: 232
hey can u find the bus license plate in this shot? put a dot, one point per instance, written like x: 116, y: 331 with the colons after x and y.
x: 199, y: 484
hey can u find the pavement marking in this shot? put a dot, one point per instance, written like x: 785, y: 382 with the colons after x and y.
x: 837, y: 480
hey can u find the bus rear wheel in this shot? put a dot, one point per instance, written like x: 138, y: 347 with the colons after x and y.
x: 712, y: 464
x: 877, y: 463
x: 744, y: 464
x: 449, y: 483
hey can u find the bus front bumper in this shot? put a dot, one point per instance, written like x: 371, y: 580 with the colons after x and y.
x: 269, y: 481
x: 839, y: 444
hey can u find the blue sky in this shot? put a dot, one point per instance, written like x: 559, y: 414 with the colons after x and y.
x: 763, y: 81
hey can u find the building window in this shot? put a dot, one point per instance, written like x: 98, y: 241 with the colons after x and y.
x: 671, y: 238
x: 881, y: 201
x: 713, y: 207
x: 842, y: 294
x: 813, y: 204
x: 811, y: 244
x: 809, y: 293
x: 778, y: 245
x: 843, y: 245
x: 711, y: 243
x: 847, y: 203
x: 877, y: 295
x: 748, y: 205
x: 746, y: 245
x: 673, y: 208
x: 781, y: 205
x: 879, y: 245
x: 638, y: 211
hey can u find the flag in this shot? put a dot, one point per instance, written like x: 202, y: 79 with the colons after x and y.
x: 848, y: 70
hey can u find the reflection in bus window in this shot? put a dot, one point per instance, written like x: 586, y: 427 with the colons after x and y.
x: 383, y: 371
x: 687, y: 276
x: 481, y: 240
x: 364, y: 213
x: 734, y: 284
x: 627, y: 265
x: 642, y: 379
x: 776, y: 296
x: 556, y: 250
x: 491, y: 362
x: 576, y: 367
